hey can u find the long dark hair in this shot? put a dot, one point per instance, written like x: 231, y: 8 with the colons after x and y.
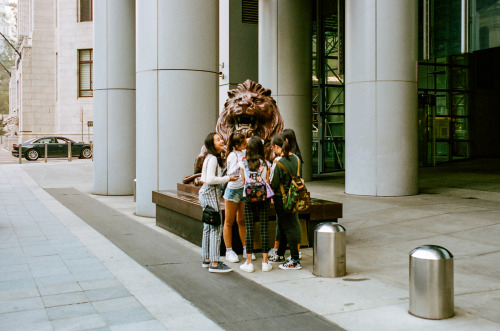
x: 289, y: 135
x: 209, y: 145
x: 255, y: 153
x: 280, y: 141
x: 235, y: 138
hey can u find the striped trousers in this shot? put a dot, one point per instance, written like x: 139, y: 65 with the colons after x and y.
x: 210, y: 243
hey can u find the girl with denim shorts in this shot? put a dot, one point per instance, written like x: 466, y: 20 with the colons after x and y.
x: 236, y: 145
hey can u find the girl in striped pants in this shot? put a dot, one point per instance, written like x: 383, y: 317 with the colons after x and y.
x: 209, y: 195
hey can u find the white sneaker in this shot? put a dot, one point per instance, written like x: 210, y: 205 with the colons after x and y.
x: 247, y: 267
x: 245, y: 254
x: 272, y: 251
x: 266, y: 266
x: 231, y: 256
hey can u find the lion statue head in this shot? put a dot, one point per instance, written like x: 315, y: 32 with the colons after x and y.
x: 250, y: 110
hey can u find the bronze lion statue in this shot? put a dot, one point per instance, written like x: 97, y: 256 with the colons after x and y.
x: 249, y: 110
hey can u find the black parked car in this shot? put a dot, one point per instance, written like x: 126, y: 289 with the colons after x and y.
x: 56, y: 147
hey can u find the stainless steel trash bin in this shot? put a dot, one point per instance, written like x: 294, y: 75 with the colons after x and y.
x: 329, y: 250
x: 431, y: 282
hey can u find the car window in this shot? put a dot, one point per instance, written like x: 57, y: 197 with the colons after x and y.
x: 44, y: 140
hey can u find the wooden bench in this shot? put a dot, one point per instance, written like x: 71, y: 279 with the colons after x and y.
x: 180, y: 213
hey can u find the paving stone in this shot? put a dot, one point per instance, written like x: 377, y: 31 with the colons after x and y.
x: 64, y: 299
x: 20, y: 305
x: 68, y: 311
x: 86, y: 322
x: 13, y: 275
x: 123, y: 303
x: 99, y: 283
x: 81, y: 261
x: 107, y: 293
x: 17, y: 284
x: 59, y: 288
x: 19, y: 293
x: 127, y: 316
x: 89, y: 267
x: 51, y: 280
x: 18, y: 320
x: 42, y: 270
x: 93, y: 275
x: 152, y: 325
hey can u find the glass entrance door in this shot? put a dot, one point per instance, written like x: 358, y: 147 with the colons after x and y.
x: 328, y: 86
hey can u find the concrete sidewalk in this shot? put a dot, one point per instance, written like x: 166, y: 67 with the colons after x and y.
x: 458, y: 208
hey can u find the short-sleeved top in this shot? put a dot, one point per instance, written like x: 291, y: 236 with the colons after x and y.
x: 233, y: 165
x: 279, y: 175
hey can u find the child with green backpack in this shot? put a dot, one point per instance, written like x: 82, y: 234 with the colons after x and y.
x: 283, y: 167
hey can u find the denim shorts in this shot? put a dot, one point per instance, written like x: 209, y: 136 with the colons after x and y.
x: 234, y: 195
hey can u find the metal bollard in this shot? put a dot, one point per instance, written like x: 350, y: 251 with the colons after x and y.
x: 135, y: 188
x: 20, y: 149
x: 46, y: 152
x: 69, y: 151
x: 329, y: 258
x: 431, y: 282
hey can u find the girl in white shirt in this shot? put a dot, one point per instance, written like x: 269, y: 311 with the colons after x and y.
x: 236, y: 145
x: 209, y: 195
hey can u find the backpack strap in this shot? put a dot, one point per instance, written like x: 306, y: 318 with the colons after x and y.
x: 298, y: 165
x: 282, y: 166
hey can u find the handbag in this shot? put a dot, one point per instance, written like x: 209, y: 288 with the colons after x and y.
x: 211, y: 216
x: 270, y: 192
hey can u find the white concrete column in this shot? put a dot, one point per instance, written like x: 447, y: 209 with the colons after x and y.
x: 177, y: 91
x: 285, y: 53
x: 238, y: 49
x: 114, y: 97
x: 381, y: 97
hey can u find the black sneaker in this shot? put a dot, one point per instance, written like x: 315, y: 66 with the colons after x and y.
x: 291, y: 265
x: 205, y: 264
x: 221, y: 267
x: 276, y: 259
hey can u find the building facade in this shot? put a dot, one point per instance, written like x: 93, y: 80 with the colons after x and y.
x: 373, y: 87
x: 52, y: 80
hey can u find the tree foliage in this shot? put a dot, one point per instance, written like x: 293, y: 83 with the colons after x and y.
x: 8, y: 55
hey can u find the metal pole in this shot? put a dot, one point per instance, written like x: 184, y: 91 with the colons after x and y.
x: 20, y: 154
x: 426, y: 30
x: 69, y: 151
x: 465, y: 27
x: 45, y: 152
x: 92, y: 150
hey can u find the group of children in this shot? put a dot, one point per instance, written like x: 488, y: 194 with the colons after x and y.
x: 245, y: 164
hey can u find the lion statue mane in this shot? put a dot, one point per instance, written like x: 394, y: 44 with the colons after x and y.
x: 249, y: 110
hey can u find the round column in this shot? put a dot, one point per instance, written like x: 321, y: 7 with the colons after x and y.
x: 114, y: 97
x: 177, y: 91
x: 381, y: 98
x: 285, y: 66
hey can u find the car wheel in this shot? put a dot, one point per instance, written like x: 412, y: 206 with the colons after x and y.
x: 86, y: 153
x: 32, y: 155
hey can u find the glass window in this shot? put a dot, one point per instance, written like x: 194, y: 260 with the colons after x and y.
x: 85, y: 11
x: 85, y: 70
x: 484, y: 24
